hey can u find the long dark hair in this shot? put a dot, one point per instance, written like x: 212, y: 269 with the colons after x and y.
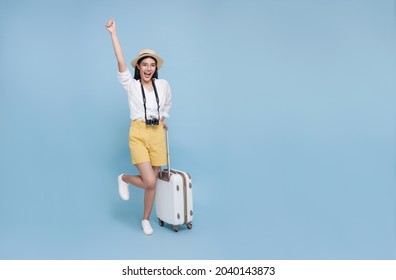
x: 137, y: 71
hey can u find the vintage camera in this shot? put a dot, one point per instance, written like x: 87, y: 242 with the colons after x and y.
x: 153, y: 121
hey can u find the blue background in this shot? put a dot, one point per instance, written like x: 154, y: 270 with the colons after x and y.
x: 283, y: 112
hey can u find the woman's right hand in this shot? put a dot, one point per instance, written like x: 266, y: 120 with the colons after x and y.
x: 111, y: 25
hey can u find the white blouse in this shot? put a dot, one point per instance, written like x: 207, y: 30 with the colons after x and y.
x: 135, y: 98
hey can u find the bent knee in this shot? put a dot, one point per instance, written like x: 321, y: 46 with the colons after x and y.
x: 150, y: 183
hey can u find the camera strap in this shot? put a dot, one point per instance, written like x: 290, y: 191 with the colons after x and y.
x: 144, y: 99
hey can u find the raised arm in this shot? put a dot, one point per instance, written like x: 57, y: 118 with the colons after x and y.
x: 111, y: 27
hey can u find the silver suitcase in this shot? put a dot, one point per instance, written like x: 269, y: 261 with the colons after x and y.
x: 174, y: 201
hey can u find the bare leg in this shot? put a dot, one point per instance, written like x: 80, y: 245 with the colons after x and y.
x: 147, y: 181
x: 149, y: 195
x: 135, y: 180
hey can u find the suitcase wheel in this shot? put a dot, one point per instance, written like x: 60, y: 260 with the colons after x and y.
x: 161, y: 223
x: 189, y: 225
x: 176, y: 228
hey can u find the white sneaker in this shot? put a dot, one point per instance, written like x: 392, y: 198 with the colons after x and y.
x: 147, y: 229
x: 123, y: 188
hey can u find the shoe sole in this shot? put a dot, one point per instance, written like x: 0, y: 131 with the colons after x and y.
x: 120, y: 187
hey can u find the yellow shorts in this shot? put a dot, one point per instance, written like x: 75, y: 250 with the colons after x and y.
x: 147, y: 143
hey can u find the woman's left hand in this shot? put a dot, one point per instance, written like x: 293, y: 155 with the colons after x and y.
x: 163, y: 124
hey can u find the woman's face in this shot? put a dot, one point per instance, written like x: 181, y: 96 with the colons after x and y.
x: 147, y: 68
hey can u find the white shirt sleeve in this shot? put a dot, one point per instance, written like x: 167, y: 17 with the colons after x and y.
x: 168, y: 101
x: 125, y: 78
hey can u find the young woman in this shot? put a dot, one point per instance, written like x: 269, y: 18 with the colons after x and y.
x: 149, y: 100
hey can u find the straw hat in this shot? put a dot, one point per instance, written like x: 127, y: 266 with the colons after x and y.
x: 148, y: 53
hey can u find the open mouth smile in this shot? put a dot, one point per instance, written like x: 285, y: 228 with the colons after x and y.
x: 147, y: 75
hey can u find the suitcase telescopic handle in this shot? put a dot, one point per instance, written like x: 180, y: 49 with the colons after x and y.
x: 167, y: 151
